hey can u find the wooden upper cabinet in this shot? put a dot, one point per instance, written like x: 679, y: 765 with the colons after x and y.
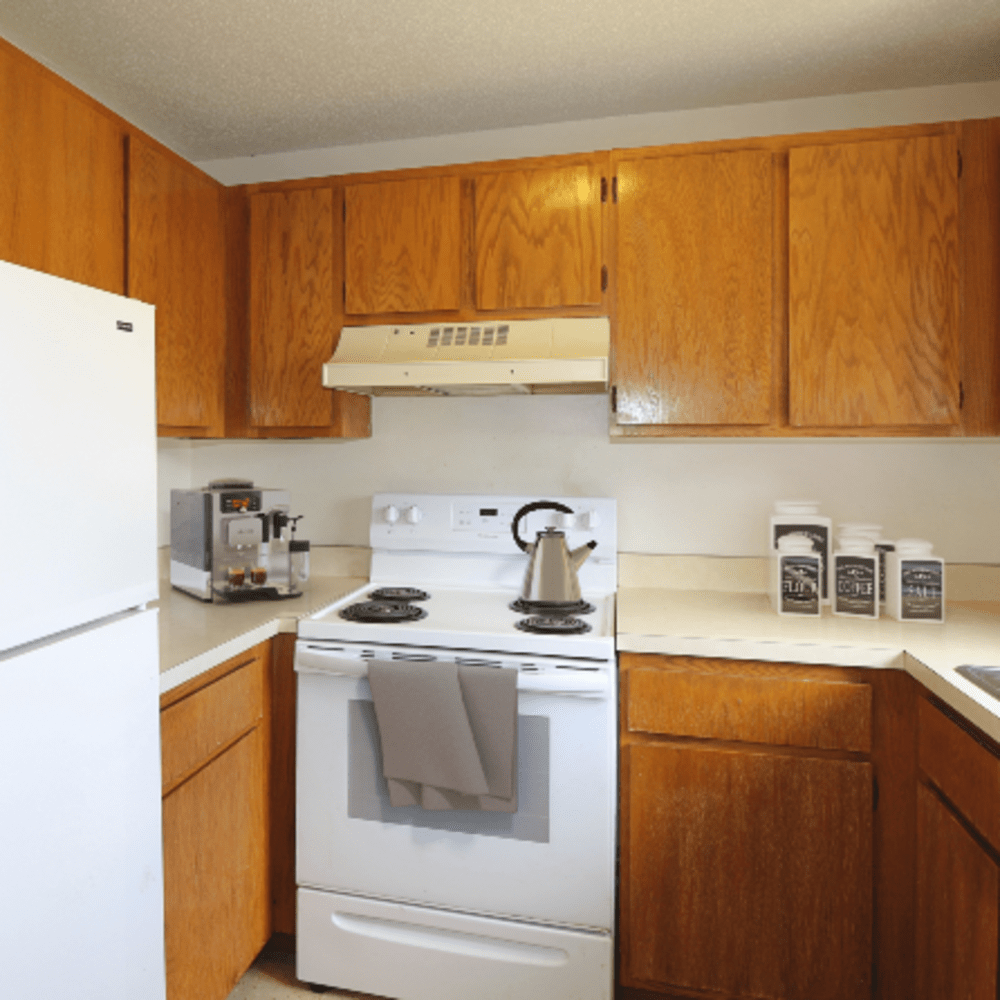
x: 694, y: 333
x: 177, y: 261
x: 874, y: 283
x: 62, y: 194
x: 293, y: 316
x: 402, y: 246
x: 538, y: 238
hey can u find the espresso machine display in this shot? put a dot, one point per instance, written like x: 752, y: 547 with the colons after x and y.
x: 233, y: 542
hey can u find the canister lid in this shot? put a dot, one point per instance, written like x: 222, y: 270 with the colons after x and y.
x: 909, y: 547
x: 799, y: 508
x: 856, y: 546
x: 795, y: 544
x: 856, y: 529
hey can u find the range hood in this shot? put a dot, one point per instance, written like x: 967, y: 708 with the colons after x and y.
x: 473, y: 359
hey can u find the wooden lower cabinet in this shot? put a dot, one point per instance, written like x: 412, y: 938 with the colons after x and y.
x: 747, y: 869
x: 958, y: 862
x: 217, y: 903
x: 958, y: 895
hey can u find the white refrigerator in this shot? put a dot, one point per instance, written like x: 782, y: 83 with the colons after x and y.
x: 81, y: 870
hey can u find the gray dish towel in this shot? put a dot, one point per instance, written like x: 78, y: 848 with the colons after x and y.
x: 448, y: 734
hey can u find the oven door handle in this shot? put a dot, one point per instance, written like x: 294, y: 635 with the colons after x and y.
x: 573, y: 683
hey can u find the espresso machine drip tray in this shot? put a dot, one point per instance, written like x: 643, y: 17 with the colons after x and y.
x: 240, y: 595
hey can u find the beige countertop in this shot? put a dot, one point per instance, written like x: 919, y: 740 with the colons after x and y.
x: 741, y: 625
x: 196, y: 636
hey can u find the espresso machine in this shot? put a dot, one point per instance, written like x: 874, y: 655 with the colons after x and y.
x: 232, y: 541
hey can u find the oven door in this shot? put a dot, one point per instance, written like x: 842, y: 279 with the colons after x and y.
x: 551, y: 862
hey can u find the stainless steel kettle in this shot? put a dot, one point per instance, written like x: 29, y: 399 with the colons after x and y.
x: 550, y: 579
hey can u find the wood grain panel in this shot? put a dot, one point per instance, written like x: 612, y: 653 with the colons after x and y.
x: 402, y: 243
x: 292, y: 314
x: 980, y: 241
x: 965, y: 771
x: 62, y: 197
x: 751, y: 706
x: 693, y: 340
x: 197, y: 727
x: 177, y: 261
x: 958, y: 908
x: 873, y: 283
x: 216, y: 900
x: 538, y: 238
x: 748, y: 874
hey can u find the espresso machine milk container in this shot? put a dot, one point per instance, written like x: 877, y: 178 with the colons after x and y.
x: 229, y: 542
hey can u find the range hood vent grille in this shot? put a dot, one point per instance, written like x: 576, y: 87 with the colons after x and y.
x: 473, y: 359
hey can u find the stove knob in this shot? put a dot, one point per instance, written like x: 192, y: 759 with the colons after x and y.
x: 414, y: 515
x: 391, y: 514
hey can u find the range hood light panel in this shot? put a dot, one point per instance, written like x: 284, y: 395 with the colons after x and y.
x: 473, y: 359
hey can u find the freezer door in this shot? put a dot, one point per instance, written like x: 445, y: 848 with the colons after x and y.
x: 81, y: 871
x: 77, y: 454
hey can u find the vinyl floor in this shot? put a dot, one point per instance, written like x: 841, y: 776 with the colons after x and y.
x: 272, y: 977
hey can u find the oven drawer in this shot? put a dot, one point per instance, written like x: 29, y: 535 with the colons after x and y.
x: 417, y: 953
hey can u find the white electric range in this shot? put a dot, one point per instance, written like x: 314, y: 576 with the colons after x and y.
x: 411, y: 903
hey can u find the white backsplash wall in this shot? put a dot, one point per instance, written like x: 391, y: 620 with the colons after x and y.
x: 696, y: 496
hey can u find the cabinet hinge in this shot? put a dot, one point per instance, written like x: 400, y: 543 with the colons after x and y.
x: 343, y: 206
x: 604, y: 278
x: 604, y: 189
x: 959, y: 163
x: 961, y: 395
x: 874, y: 793
x: 614, y: 399
x: 614, y: 190
x: 343, y: 293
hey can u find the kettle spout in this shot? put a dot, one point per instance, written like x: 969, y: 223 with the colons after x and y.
x: 578, y: 556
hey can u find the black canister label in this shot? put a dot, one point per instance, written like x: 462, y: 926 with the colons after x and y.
x: 800, y: 585
x: 819, y: 535
x: 921, y: 589
x: 857, y: 592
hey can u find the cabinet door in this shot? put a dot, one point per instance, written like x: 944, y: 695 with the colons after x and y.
x: 538, y: 238
x: 216, y: 898
x: 176, y: 260
x: 873, y: 283
x: 293, y: 319
x: 694, y: 340
x: 747, y: 873
x: 958, y: 895
x: 62, y: 164
x: 402, y: 246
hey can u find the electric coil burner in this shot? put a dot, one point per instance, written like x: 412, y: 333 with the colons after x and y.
x: 398, y: 594
x: 553, y: 625
x: 382, y: 612
x: 550, y: 608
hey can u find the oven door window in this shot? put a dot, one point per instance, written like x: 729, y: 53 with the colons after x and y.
x: 368, y: 793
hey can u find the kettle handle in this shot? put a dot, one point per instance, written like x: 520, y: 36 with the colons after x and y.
x: 527, y: 509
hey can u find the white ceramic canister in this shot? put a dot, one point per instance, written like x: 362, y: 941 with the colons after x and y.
x: 914, y: 582
x: 802, y: 517
x: 873, y: 532
x: 855, y: 579
x: 796, y: 575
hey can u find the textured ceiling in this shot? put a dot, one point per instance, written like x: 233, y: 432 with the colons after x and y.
x: 238, y: 77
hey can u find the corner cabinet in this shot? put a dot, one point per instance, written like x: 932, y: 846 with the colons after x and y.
x: 958, y: 862
x: 874, y: 283
x: 695, y: 328
x: 746, y: 830
x: 295, y: 316
x: 177, y: 262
